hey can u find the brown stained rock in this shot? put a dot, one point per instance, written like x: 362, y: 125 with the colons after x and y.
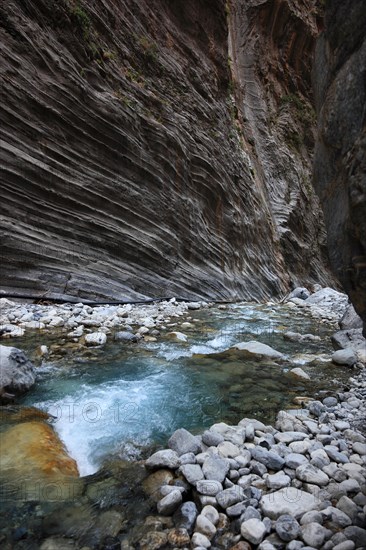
x: 153, y: 482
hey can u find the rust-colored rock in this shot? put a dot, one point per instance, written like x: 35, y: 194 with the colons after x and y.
x: 35, y: 465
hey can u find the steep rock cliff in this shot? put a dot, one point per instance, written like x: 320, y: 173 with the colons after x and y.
x: 136, y: 161
x: 340, y: 158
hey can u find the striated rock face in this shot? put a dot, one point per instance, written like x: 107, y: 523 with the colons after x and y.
x: 136, y: 161
x: 340, y: 158
x: 271, y: 49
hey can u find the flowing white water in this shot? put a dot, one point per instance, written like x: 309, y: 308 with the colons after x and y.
x: 132, y: 396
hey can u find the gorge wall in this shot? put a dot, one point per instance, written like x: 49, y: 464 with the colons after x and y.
x: 158, y: 147
x: 340, y: 156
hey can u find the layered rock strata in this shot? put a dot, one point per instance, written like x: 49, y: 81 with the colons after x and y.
x: 340, y: 165
x: 133, y: 165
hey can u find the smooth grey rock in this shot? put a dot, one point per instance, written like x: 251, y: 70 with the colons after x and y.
x: 347, y: 506
x: 313, y: 534
x: 287, y: 528
x: 228, y: 449
x: 277, y: 480
x: 270, y: 459
x: 356, y: 534
x: 338, y: 518
x: 359, y: 448
x: 346, y: 545
x: 230, y: 496
x: 163, y: 459
x: 125, y: 336
x: 209, y: 487
x: 182, y: 442
x: 237, y: 510
x: 257, y: 348
x: 192, y: 473
x: 330, y: 401
x: 329, y: 299
x: 319, y: 458
x: 288, y: 501
x: 349, y: 486
x: 168, y: 505
x: 205, y: 526
x: 257, y: 425
x: 299, y: 292
x: 212, y: 438
x: 293, y: 460
x: 350, y: 319
x: 289, y: 437
x: 266, y: 545
x: 300, y: 447
x: 216, y: 468
x: 250, y: 513
x: 253, y: 530
x: 335, y: 455
x: 211, y: 513
x: 185, y: 516
x: 200, y: 540
x: 294, y: 545
x: 257, y: 468
x: 311, y: 517
x: 345, y: 357
x: 95, y: 339
x: 310, y: 474
x: 352, y: 338
x: 188, y: 458
x: 17, y: 373
x: 316, y: 408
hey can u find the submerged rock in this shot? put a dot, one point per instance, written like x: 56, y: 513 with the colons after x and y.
x: 96, y: 339
x: 34, y: 461
x: 258, y: 349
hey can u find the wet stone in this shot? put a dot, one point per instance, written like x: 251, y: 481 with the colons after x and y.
x: 168, y: 504
x: 185, y: 516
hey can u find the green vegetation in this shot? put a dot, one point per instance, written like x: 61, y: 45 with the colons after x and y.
x: 304, y: 114
x: 134, y: 76
x: 80, y: 19
x: 150, y: 49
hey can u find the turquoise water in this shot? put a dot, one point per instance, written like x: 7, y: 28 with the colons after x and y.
x: 125, y: 399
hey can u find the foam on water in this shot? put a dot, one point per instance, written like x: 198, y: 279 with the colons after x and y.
x: 98, y: 420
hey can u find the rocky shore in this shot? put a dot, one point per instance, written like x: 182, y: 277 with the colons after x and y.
x: 298, y: 484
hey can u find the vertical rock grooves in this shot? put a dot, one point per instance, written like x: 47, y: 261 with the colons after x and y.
x: 271, y: 49
x: 340, y: 155
x: 126, y: 168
